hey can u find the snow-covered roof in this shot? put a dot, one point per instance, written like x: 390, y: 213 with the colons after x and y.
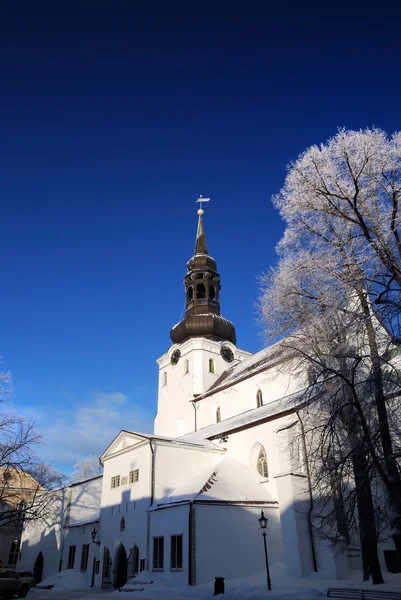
x: 263, y: 413
x: 162, y: 438
x: 228, y: 480
x: 249, y: 366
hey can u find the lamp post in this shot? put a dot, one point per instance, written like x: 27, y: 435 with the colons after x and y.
x: 263, y: 527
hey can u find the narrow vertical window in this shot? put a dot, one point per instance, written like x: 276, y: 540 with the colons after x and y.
x: 122, y: 524
x: 218, y: 415
x: 186, y: 367
x: 176, y: 553
x: 14, y: 552
x: 84, y: 557
x: 158, y: 553
x: 212, y: 366
x: 71, y: 557
x: 164, y: 379
x: 259, y: 399
x: 262, y: 463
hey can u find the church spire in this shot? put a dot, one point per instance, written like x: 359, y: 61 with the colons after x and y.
x: 202, y: 296
x: 200, y: 244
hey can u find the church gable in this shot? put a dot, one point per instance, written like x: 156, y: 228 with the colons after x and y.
x: 123, y: 440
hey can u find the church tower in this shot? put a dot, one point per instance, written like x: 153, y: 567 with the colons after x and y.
x: 204, y: 345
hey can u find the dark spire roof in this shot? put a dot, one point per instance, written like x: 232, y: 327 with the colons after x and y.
x: 200, y: 244
x: 202, y: 287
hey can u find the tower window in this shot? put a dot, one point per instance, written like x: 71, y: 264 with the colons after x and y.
x: 190, y: 293
x: 164, y: 379
x: 259, y: 399
x: 186, y: 367
x: 262, y: 463
x: 212, y: 366
x: 200, y: 291
x: 218, y: 415
x: 212, y: 292
x: 122, y: 524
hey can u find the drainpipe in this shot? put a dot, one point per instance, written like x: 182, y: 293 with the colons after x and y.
x: 309, y: 516
x: 194, y: 405
x: 190, y: 519
x: 152, y: 494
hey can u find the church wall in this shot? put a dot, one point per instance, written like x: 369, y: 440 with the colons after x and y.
x: 39, y: 537
x: 241, y: 397
x: 228, y: 542
x: 129, y: 501
x: 174, y: 465
x: 84, y: 501
x: 77, y: 536
x: 165, y: 523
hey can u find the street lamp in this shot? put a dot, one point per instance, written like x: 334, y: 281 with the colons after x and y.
x: 263, y: 526
x: 94, y: 534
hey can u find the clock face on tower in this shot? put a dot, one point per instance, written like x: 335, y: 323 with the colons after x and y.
x: 175, y: 357
x: 227, y: 353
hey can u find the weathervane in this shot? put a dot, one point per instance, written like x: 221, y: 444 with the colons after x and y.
x: 200, y: 200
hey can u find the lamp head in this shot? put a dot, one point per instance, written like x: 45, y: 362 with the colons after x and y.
x: 262, y: 521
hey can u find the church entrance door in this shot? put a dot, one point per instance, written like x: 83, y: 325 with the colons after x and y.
x: 121, y: 563
x: 133, y: 562
x: 38, y: 568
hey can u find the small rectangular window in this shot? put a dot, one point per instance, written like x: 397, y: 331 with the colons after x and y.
x: 142, y: 564
x: 158, y: 553
x: 84, y: 557
x: 71, y: 557
x: 176, y: 553
x: 115, y: 481
x: 134, y: 476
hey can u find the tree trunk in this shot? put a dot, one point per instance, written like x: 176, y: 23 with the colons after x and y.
x: 393, y: 481
x: 366, y: 517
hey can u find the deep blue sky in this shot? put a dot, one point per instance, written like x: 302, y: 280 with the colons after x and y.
x: 115, y: 116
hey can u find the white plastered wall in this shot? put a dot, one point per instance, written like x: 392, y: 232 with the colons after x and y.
x: 129, y: 501
x: 228, y: 542
x: 175, y: 412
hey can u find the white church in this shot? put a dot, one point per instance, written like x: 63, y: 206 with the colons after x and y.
x: 184, y: 501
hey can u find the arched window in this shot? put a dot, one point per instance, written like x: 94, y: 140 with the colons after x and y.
x: 259, y: 399
x: 190, y: 293
x: 212, y: 292
x: 218, y: 415
x: 122, y: 524
x: 262, y: 463
x: 186, y: 367
x: 212, y: 366
x: 164, y: 378
x: 200, y: 291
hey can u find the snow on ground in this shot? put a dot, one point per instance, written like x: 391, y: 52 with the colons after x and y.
x: 72, y: 585
x: 253, y: 587
x: 65, y: 580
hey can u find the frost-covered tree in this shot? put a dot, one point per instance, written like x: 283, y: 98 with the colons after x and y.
x: 26, y: 483
x: 86, y: 468
x: 338, y: 281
